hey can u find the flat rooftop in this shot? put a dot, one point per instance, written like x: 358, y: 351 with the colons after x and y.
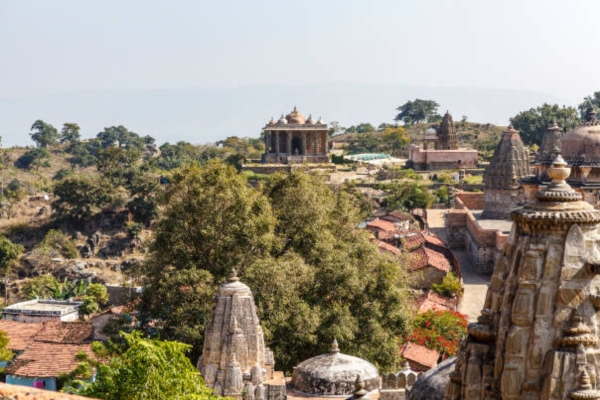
x: 43, y: 307
x: 500, y: 224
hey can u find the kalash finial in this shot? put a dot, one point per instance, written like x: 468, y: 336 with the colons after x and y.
x: 359, y: 387
x: 558, y: 189
x: 584, y: 389
x: 233, y: 276
x: 334, y: 346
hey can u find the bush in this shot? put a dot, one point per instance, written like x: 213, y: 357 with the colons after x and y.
x: 439, y: 330
x: 57, y: 243
x: 40, y: 287
x: 473, y: 180
x: 449, y: 287
x: 133, y: 229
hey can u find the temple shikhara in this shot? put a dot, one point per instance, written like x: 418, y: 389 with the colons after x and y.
x: 294, y: 139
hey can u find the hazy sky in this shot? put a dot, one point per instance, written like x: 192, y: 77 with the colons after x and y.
x: 72, y: 45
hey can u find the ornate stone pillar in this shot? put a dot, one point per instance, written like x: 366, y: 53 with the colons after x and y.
x: 289, y: 143
x: 303, y: 143
x: 585, y: 171
x: 277, y: 144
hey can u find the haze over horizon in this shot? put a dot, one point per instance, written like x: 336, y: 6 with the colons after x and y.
x: 200, y: 71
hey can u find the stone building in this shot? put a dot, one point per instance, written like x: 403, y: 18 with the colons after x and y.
x: 295, y: 139
x: 333, y: 374
x: 580, y: 148
x: 446, y: 135
x: 445, y: 155
x: 537, y: 336
x: 42, y: 310
x: 235, y: 361
x: 502, y: 178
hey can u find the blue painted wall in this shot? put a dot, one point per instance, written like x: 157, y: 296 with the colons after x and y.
x: 26, y: 381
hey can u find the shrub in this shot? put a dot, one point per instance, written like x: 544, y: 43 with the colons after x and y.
x: 57, y: 243
x: 133, y: 229
x: 450, y: 286
x: 40, y: 287
x: 439, y: 330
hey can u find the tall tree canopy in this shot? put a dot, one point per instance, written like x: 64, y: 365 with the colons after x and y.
x: 589, y: 101
x: 44, y: 134
x: 417, y: 112
x: 533, y: 123
x: 294, y: 242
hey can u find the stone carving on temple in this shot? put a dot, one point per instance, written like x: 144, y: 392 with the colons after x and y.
x: 502, y: 177
x: 235, y: 361
x: 446, y: 134
x: 537, y: 336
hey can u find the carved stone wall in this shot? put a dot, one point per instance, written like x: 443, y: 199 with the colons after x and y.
x: 536, y: 337
x: 509, y: 165
x: 447, y: 138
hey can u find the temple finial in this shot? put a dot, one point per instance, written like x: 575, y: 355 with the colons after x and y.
x: 233, y: 276
x: 334, y: 346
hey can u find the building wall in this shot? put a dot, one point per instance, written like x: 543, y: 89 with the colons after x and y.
x: 425, y: 277
x: 472, y: 201
x: 50, y: 383
x: 40, y: 318
x: 441, y: 159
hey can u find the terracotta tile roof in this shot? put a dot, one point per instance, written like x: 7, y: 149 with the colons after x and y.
x: 433, y: 239
x: 384, y: 229
x: 420, y: 354
x: 426, y: 257
x: 398, y: 216
x: 43, y: 359
x: 388, y: 248
x: 434, y: 301
x: 20, y: 334
x: 65, y: 332
x: 29, y: 393
x: 413, y: 240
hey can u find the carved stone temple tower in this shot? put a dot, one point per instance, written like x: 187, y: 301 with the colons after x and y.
x: 235, y: 361
x: 447, y: 139
x: 550, y: 148
x: 502, y: 178
x: 537, y: 336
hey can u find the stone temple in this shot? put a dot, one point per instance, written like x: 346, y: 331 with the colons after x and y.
x: 445, y: 153
x: 296, y: 139
x: 502, y: 179
x: 537, y: 336
x: 235, y: 361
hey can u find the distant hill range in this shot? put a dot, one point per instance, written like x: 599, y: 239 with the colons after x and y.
x: 201, y: 115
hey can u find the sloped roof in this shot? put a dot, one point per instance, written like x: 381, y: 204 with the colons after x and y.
x: 382, y: 225
x: 44, y: 359
x: 424, y: 257
x: 398, y: 216
x: 433, y: 301
x: 64, y: 332
x: 20, y: 334
x: 29, y: 393
x: 420, y: 354
x: 388, y: 248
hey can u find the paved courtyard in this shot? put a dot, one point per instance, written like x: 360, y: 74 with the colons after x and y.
x: 475, y: 284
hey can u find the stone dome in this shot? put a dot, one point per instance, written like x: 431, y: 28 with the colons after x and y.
x: 333, y: 374
x: 295, y: 117
x: 282, y: 120
x: 432, y: 384
x: 430, y: 131
x: 271, y: 122
x: 320, y: 121
x: 583, y: 140
x: 233, y: 286
x: 310, y: 120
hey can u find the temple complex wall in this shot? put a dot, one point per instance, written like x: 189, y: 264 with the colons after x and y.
x: 499, y: 202
x: 483, y: 246
x: 472, y: 201
x: 432, y: 160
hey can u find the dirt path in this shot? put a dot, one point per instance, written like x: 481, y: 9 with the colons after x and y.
x: 474, y: 283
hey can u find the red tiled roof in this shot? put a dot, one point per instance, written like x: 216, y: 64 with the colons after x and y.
x: 385, y: 229
x: 433, y: 239
x: 412, y: 241
x: 65, y: 332
x: 398, y: 216
x: 434, y: 301
x: 420, y: 354
x: 29, y: 393
x: 20, y: 334
x: 43, y: 359
x: 386, y: 247
x: 426, y: 257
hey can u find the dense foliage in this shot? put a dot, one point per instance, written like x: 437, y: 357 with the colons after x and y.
x: 142, y: 369
x: 417, y: 112
x: 533, y: 123
x: 294, y: 242
x: 440, y: 330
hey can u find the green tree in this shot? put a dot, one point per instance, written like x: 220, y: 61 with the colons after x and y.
x: 121, y: 137
x: 9, y: 253
x: 35, y: 158
x: 533, y: 123
x: 213, y: 221
x: 44, y: 134
x: 70, y: 133
x: 39, y: 287
x: 119, y: 165
x: 395, y: 139
x: 146, y: 369
x: 78, y: 197
x: 417, y: 112
x: 5, y: 353
x: 408, y: 195
x: 592, y: 101
x: 450, y: 285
